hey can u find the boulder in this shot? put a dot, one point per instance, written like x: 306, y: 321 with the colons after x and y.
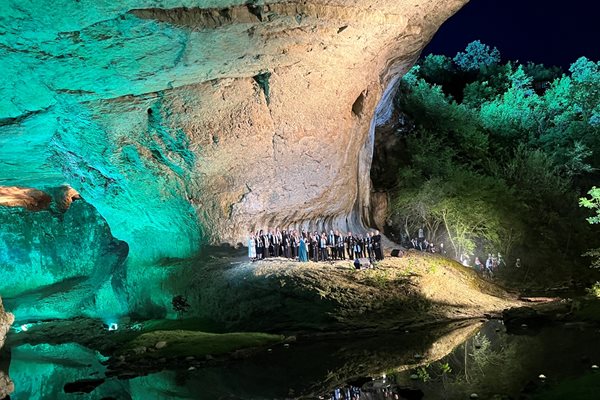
x: 519, y: 318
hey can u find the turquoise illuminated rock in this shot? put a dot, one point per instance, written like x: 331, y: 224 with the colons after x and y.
x: 184, y: 122
x: 60, y: 265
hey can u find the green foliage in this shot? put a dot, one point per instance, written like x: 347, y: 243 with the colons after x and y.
x: 437, y: 69
x: 593, y: 202
x: 497, y: 154
x: 445, y: 368
x: 540, y: 73
x: 594, y: 290
x: 476, y: 56
x: 423, y: 374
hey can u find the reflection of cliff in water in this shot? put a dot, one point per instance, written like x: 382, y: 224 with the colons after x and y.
x: 450, y: 361
x: 311, y: 369
x: 304, y: 368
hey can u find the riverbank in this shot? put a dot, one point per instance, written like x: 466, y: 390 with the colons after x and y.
x: 279, y: 295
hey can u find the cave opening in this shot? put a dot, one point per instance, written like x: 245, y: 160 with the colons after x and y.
x: 358, y: 105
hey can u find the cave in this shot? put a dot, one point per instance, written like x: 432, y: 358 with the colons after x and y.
x: 143, y: 143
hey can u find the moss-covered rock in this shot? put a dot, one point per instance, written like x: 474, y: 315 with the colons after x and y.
x: 178, y: 343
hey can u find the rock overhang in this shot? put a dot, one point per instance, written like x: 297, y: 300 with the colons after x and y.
x: 196, y: 121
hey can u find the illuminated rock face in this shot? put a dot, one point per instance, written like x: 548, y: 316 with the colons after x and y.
x: 59, y: 264
x: 185, y: 121
x: 6, y: 320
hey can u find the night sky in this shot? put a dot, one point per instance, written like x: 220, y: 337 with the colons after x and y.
x: 550, y: 32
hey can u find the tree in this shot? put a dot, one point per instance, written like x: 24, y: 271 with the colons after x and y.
x: 476, y: 56
x: 480, y: 130
x: 593, y: 203
x: 437, y: 69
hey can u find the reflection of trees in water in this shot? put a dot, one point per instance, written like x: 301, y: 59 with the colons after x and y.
x: 489, y: 362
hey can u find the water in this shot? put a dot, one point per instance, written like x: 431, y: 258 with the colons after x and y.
x: 450, y: 361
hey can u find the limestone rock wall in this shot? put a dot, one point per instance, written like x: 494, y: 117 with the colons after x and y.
x: 184, y: 121
x: 6, y: 320
x: 60, y: 264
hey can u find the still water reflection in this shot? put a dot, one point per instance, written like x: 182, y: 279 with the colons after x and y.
x: 453, y: 362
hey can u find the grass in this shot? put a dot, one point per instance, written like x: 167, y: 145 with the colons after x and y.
x: 192, y: 343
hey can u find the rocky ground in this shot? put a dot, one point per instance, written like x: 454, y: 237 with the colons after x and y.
x: 287, y: 296
x: 304, y: 303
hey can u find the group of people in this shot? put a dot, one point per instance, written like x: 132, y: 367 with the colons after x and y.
x: 314, y: 246
x: 492, y: 264
x: 421, y: 243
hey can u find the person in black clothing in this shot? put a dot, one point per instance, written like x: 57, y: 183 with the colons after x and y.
x: 285, y: 244
x: 264, y: 238
x: 350, y: 245
x: 377, y: 246
x: 314, y: 241
x: 293, y: 241
x: 369, y: 245
x: 331, y: 244
x: 323, y: 246
x: 259, y: 245
x: 276, y: 242
x: 339, y: 243
x: 363, y: 246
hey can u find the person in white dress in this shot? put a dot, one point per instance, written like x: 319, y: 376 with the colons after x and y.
x: 252, y: 247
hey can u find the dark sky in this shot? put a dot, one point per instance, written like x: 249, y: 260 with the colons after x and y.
x: 551, y: 32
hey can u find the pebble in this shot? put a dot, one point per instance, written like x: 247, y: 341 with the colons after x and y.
x: 523, y: 325
x: 160, y: 345
x: 269, y: 350
x: 190, y: 358
x: 594, y: 366
x: 542, y: 376
x: 191, y: 368
x: 286, y: 345
x: 414, y: 377
x: 474, y: 396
